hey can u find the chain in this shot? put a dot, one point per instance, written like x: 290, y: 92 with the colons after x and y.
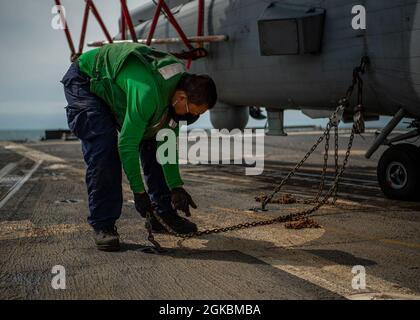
x: 150, y: 237
x: 324, y: 170
x: 333, y: 122
x: 280, y: 219
x: 296, y: 168
x: 336, y: 162
x: 319, y: 200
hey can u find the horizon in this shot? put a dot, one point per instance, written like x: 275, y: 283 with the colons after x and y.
x: 31, y: 96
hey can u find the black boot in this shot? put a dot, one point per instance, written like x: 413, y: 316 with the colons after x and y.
x: 177, y: 224
x: 107, y: 239
x: 156, y: 226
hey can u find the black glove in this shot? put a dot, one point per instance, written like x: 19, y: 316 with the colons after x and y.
x: 181, y: 200
x: 142, y: 203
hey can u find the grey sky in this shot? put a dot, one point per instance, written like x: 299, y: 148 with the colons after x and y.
x: 34, y: 57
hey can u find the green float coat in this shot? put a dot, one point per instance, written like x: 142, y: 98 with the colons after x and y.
x: 137, y: 83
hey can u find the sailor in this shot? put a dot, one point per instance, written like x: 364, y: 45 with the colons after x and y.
x: 119, y: 96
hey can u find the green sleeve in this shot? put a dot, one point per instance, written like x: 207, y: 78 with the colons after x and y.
x: 171, y: 170
x: 141, y: 103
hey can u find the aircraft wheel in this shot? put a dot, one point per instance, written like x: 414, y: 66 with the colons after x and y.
x: 399, y: 172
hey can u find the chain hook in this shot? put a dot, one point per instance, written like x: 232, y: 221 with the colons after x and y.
x: 157, y: 247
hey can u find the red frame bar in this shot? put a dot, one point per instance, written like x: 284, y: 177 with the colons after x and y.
x: 84, y: 27
x: 89, y: 6
x: 128, y: 20
x: 175, y: 24
x: 98, y: 17
x: 66, y: 29
x: 154, y: 23
x: 200, y: 20
x: 200, y: 27
x: 122, y: 25
x: 163, y: 6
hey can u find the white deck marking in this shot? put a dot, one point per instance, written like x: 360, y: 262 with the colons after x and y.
x: 335, y: 277
x: 283, y: 250
x: 32, y: 154
x: 57, y: 162
x: 19, y: 184
x: 7, y: 168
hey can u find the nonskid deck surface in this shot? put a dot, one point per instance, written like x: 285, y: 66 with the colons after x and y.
x: 43, y: 209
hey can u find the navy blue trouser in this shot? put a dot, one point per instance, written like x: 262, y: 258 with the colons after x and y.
x: 91, y: 120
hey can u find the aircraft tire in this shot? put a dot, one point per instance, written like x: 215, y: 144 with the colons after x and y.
x: 399, y: 172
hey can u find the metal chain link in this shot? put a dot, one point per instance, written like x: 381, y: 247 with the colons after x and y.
x: 332, y: 192
x: 336, y: 162
x: 333, y: 122
x: 297, y: 167
x: 324, y: 171
x: 280, y: 219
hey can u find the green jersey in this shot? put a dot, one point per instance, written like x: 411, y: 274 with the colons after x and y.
x: 137, y: 83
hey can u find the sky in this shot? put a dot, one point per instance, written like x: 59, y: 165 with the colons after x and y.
x: 35, y: 56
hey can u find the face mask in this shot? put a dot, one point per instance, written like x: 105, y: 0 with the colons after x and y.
x: 188, y: 117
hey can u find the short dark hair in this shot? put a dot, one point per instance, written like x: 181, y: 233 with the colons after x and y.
x: 200, y: 89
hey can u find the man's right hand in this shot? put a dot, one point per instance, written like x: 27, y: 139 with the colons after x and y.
x: 142, y: 203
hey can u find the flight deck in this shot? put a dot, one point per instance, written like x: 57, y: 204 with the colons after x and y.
x: 43, y: 210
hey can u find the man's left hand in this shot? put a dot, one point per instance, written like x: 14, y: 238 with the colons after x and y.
x: 142, y: 203
x: 181, y: 200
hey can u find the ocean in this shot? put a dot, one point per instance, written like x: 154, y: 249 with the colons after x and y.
x: 292, y: 118
x: 21, y: 135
